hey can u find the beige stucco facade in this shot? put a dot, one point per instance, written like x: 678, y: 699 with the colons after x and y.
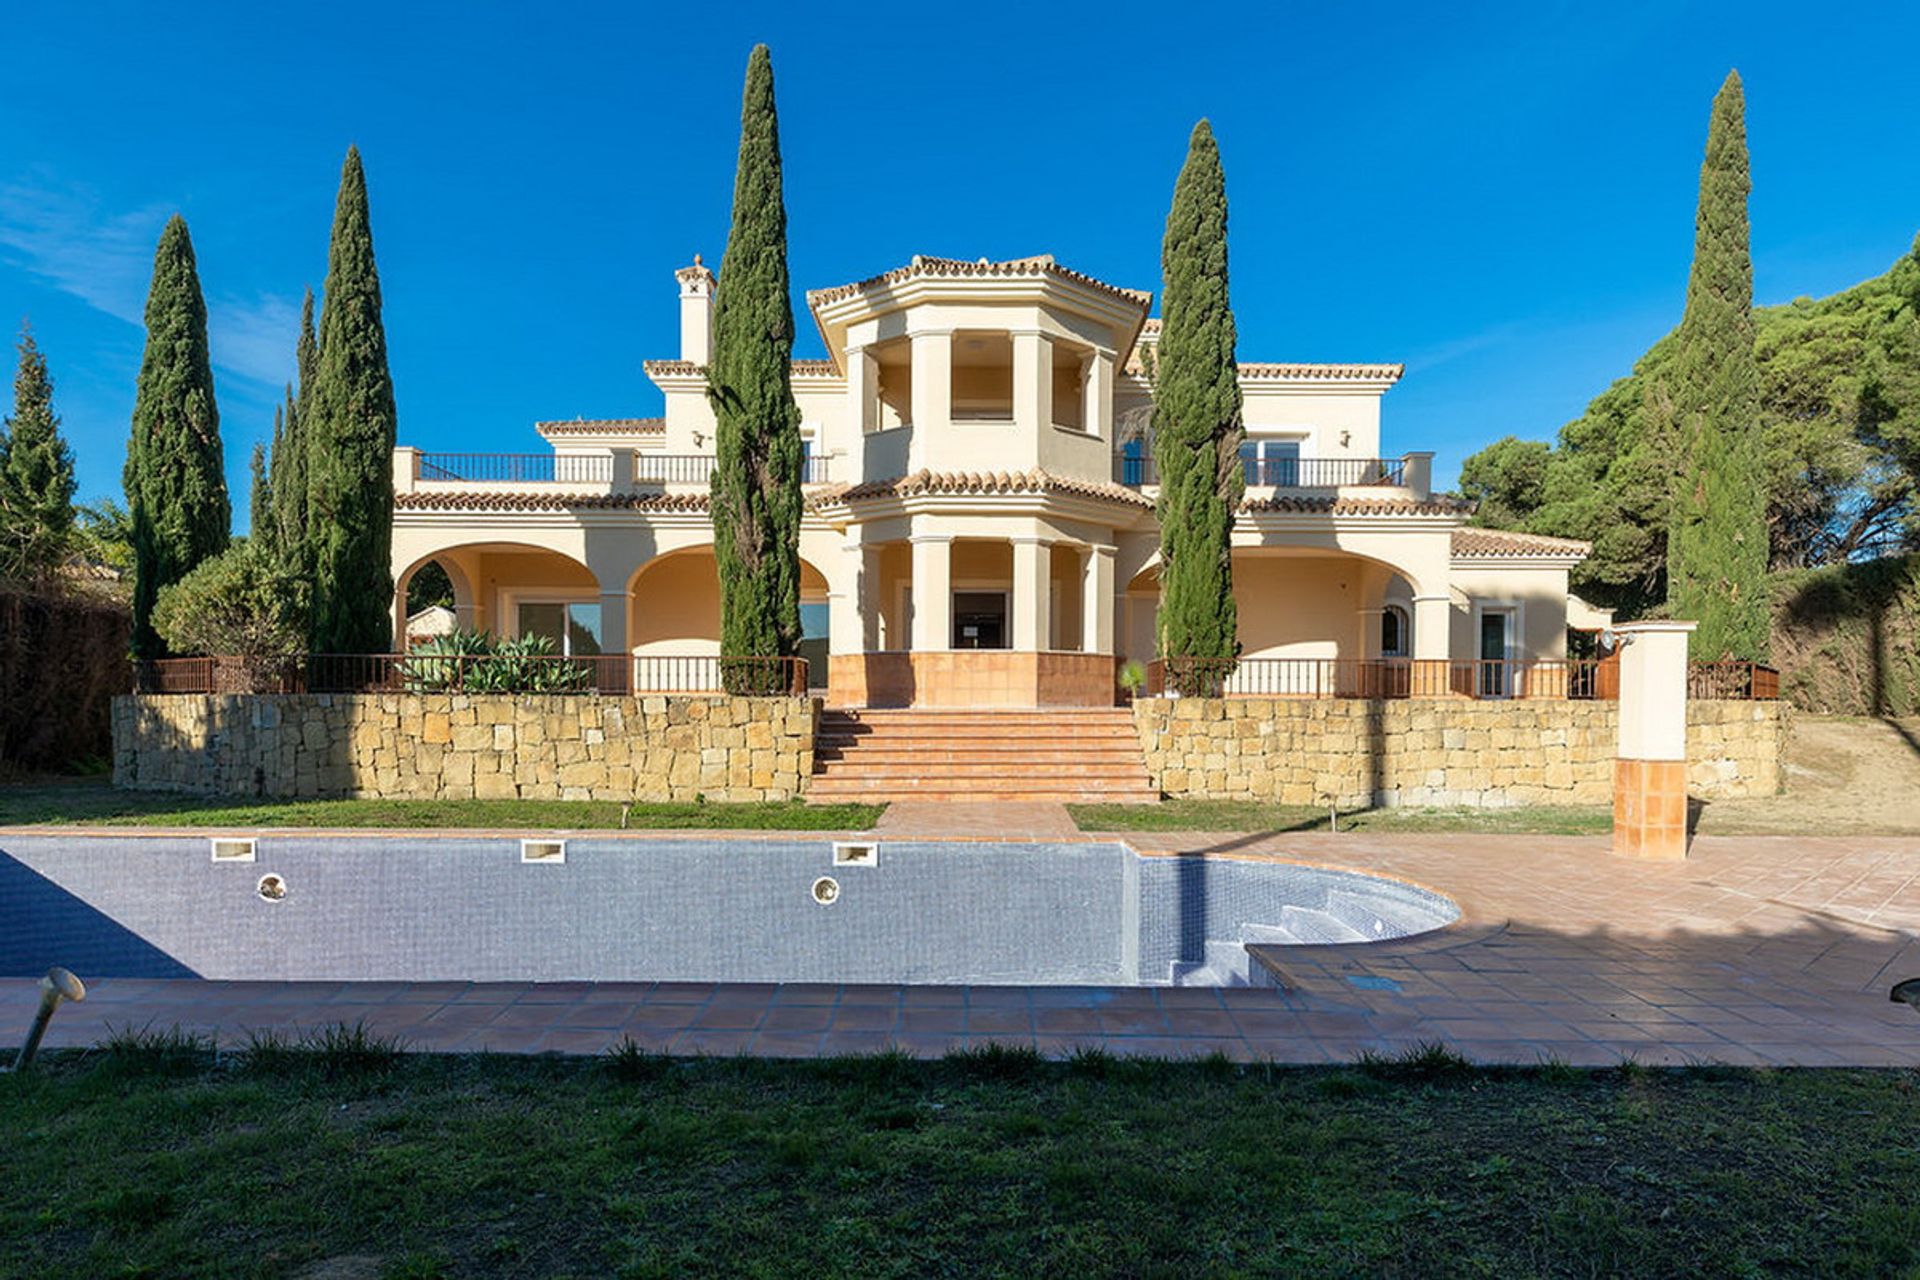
x: 980, y: 476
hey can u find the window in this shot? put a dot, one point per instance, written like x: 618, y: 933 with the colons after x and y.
x: 982, y: 377
x: 1133, y: 463
x: 1393, y: 632
x: 573, y: 628
x: 1275, y: 462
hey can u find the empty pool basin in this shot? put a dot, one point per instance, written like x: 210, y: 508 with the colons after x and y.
x: 391, y: 907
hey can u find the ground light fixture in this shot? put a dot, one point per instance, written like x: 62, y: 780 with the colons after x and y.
x: 1907, y: 992
x: 58, y: 987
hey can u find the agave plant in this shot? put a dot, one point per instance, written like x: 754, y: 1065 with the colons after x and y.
x: 443, y: 663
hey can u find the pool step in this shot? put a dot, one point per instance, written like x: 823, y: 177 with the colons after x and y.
x: 1066, y: 755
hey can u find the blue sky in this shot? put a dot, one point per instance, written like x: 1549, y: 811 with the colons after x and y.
x: 1500, y: 196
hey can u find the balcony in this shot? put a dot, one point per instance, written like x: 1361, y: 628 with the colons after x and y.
x: 604, y: 472
x: 1285, y: 473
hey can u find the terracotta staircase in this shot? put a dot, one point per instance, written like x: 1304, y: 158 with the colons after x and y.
x: 1080, y: 755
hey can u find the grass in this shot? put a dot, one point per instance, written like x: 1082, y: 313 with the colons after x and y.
x: 1248, y: 815
x: 985, y: 1163
x: 95, y: 803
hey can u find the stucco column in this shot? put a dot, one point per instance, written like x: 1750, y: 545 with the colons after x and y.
x: 932, y: 590
x: 863, y: 390
x: 1032, y: 381
x: 850, y: 628
x: 1432, y: 645
x: 1096, y: 601
x: 1032, y: 594
x: 932, y: 380
x: 614, y: 677
x: 1650, y: 768
x: 1098, y: 409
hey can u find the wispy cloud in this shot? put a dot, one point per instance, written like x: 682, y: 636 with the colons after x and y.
x: 1452, y: 349
x: 63, y: 236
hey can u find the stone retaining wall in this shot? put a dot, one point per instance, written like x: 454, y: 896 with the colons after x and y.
x: 1436, y: 751
x: 456, y: 746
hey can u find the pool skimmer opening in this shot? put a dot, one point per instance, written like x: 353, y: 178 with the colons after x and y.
x: 541, y: 851
x: 231, y: 849
x: 856, y: 853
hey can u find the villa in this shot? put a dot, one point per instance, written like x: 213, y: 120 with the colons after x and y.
x: 979, y: 526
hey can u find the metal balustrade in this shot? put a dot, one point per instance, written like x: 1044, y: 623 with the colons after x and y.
x: 582, y: 469
x: 507, y: 673
x: 1283, y: 473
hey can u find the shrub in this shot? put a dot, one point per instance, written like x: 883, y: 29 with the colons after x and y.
x: 241, y: 603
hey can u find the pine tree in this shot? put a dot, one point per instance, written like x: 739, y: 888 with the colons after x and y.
x: 260, y: 496
x: 289, y: 465
x: 756, y: 479
x: 36, y: 475
x: 175, y: 474
x: 1717, y: 543
x: 1196, y: 420
x: 348, y: 427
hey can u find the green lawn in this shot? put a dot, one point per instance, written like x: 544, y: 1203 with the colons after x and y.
x: 122, y: 1164
x: 1247, y: 815
x: 96, y: 802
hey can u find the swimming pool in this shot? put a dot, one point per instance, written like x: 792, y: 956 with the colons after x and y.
x: 389, y: 907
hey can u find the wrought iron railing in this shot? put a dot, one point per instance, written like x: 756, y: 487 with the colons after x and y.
x: 583, y: 469
x: 525, y: 674
x: 1283, y: 473
x: 517, y: 468
x: 1578, y: 679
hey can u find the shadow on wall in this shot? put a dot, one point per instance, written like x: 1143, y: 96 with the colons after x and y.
x: 1879, y: 602
x: 42, y: 924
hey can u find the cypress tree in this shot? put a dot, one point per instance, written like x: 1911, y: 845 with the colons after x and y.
x: 36, y: 474
x: 1717, y: 541
x: 260, y: 496
x: 1196, y: 419
x: 348, y: 428
x: 289, y: 470
x: 175, y: 474
x: 756, y: 478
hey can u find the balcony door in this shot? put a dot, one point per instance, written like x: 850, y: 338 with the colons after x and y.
x: 1271, y: 462
x: 1496, y: 647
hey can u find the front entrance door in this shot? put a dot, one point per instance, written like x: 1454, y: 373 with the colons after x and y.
x: 1494, y: 674
x: 979, y: 620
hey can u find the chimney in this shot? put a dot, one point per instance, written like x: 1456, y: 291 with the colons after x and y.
x: 696, y: 312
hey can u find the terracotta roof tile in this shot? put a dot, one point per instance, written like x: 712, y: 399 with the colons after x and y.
x: 999, y: 482
x: 501, y: 500
x: 1356, y: 506
x: 1469, y: 543
x: 602, y: 427
x: 924, y: 266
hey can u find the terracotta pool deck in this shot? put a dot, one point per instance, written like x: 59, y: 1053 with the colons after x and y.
x: 1754, y: 951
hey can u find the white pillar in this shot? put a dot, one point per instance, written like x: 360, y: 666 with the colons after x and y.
x: 1032, y: 594
x: 932, y: 590
x: 406, y: 468
x: 863, y: 390
x: 932, y: 381
x: 1032, y: 381
x: 1096, y: 601
x: 613, y: 621
x: 1650, y: 768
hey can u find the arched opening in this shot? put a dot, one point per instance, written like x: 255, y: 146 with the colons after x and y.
x: 509, y: 590
x: 673, y: 604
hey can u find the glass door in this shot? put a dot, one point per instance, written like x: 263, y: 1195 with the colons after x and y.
x: 1494, y: 674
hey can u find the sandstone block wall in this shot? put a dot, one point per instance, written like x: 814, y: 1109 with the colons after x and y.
x: 458, y: 746
x: 1435, y: 751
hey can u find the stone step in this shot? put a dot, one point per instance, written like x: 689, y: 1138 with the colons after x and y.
x: 977, y: 795
x: 931, y: 756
